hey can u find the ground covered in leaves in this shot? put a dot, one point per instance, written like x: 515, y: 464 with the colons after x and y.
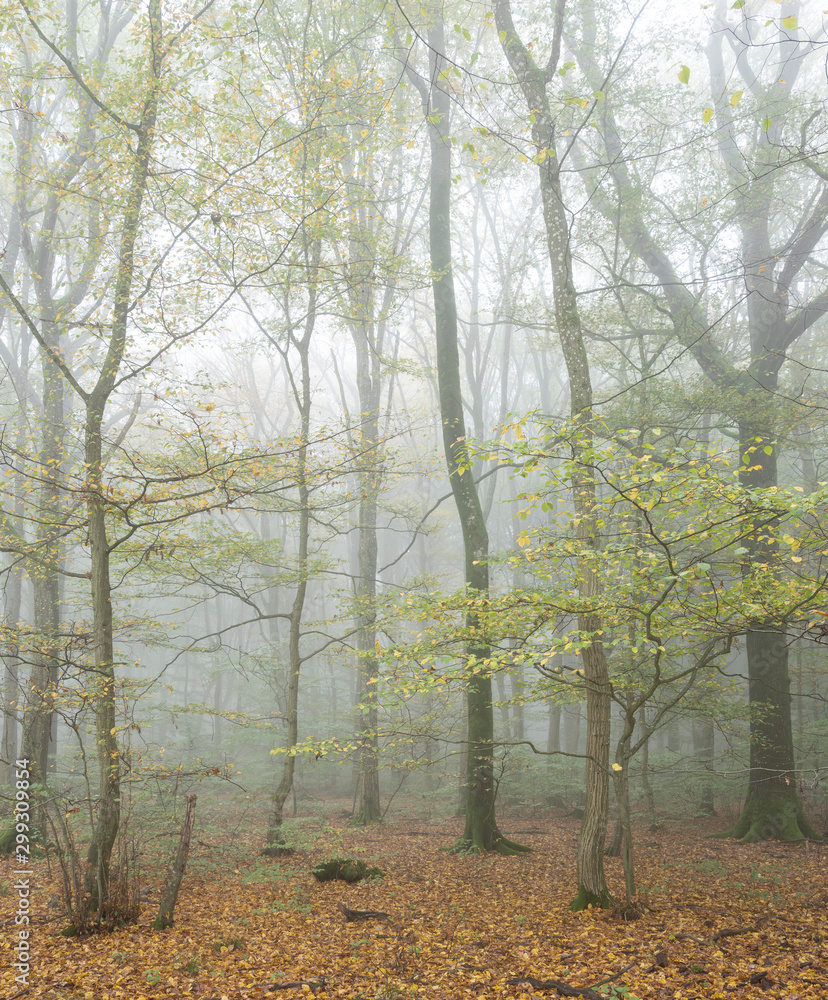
x: 720, y: 919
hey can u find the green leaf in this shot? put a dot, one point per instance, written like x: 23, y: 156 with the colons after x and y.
x: 789, y: 22
x: 684, y: 74
x: 766, y: 124
x: 738, y: 5
x: 598, y: 94
x: 737, y: 96
x: 502, y: 36
x: 768, y: 449
x: 707, y: 114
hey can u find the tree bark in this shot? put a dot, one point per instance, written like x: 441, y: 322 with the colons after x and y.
x: 592, y: 887
x: 773, y: 808
x: 703, y: 737
x: 481, y: 832
x: 303, y: 401
x: 169, y: 896
x: 108, y: 807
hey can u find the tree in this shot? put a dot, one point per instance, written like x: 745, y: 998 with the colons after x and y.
x: 534, y: 82
x: 764, y: 154
x: 481, y: 831
x: 94, y: 401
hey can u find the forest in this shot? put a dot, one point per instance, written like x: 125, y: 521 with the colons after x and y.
x: 413, y: 531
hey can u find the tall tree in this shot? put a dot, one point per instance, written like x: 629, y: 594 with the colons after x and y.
x: 481, y: 831
x: 765, y: 153
x: 534, y: 81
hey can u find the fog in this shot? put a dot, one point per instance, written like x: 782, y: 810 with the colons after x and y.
x: 414, y: 409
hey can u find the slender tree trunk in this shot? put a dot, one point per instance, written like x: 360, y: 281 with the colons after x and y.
x: 369, y: 384
x: 108, y: 809
x: 12, y: 694
x: 703, y: 735
x: 481, y: 832
x: 169, y: 897
x: 553, y: 732
x: 649, y: 798
x: 592, y: 887
x: 274, y: 827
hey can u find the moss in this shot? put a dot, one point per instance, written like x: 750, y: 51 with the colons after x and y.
x: 345, y: 870
x: 8, y: 841
x: 508, y: 847
x: 585, y: 899
x: 771, y: 815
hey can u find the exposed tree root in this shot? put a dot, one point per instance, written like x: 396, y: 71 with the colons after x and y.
x: 501, y: 845
x: 770, y: 816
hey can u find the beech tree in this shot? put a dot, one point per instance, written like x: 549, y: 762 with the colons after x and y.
x: 481, y: 830
x: 534, y: 80
x: 764, y: 140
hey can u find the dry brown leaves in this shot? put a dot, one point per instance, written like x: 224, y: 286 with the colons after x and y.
x: 720, y: 919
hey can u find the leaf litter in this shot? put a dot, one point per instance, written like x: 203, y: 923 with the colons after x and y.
x: 720, y: 919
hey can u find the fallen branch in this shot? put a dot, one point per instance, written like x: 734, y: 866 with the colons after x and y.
x: 361, y: 914
x: 312, y: 984
x: 726, y: 932
x: 563, y: 989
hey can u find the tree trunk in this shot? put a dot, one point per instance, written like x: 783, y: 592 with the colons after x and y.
x: 303, y: 401
x: 649, y: 798
x: 170, y: 894
x: 592, y: 887
x: 108, y: 815
x: 12, y: 694
x: 703, y: 736
x: 369, y: 353
x: 481, y: 832
x: 553, y: 732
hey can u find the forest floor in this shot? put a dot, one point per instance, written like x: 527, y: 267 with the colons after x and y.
x: 720, y: 919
